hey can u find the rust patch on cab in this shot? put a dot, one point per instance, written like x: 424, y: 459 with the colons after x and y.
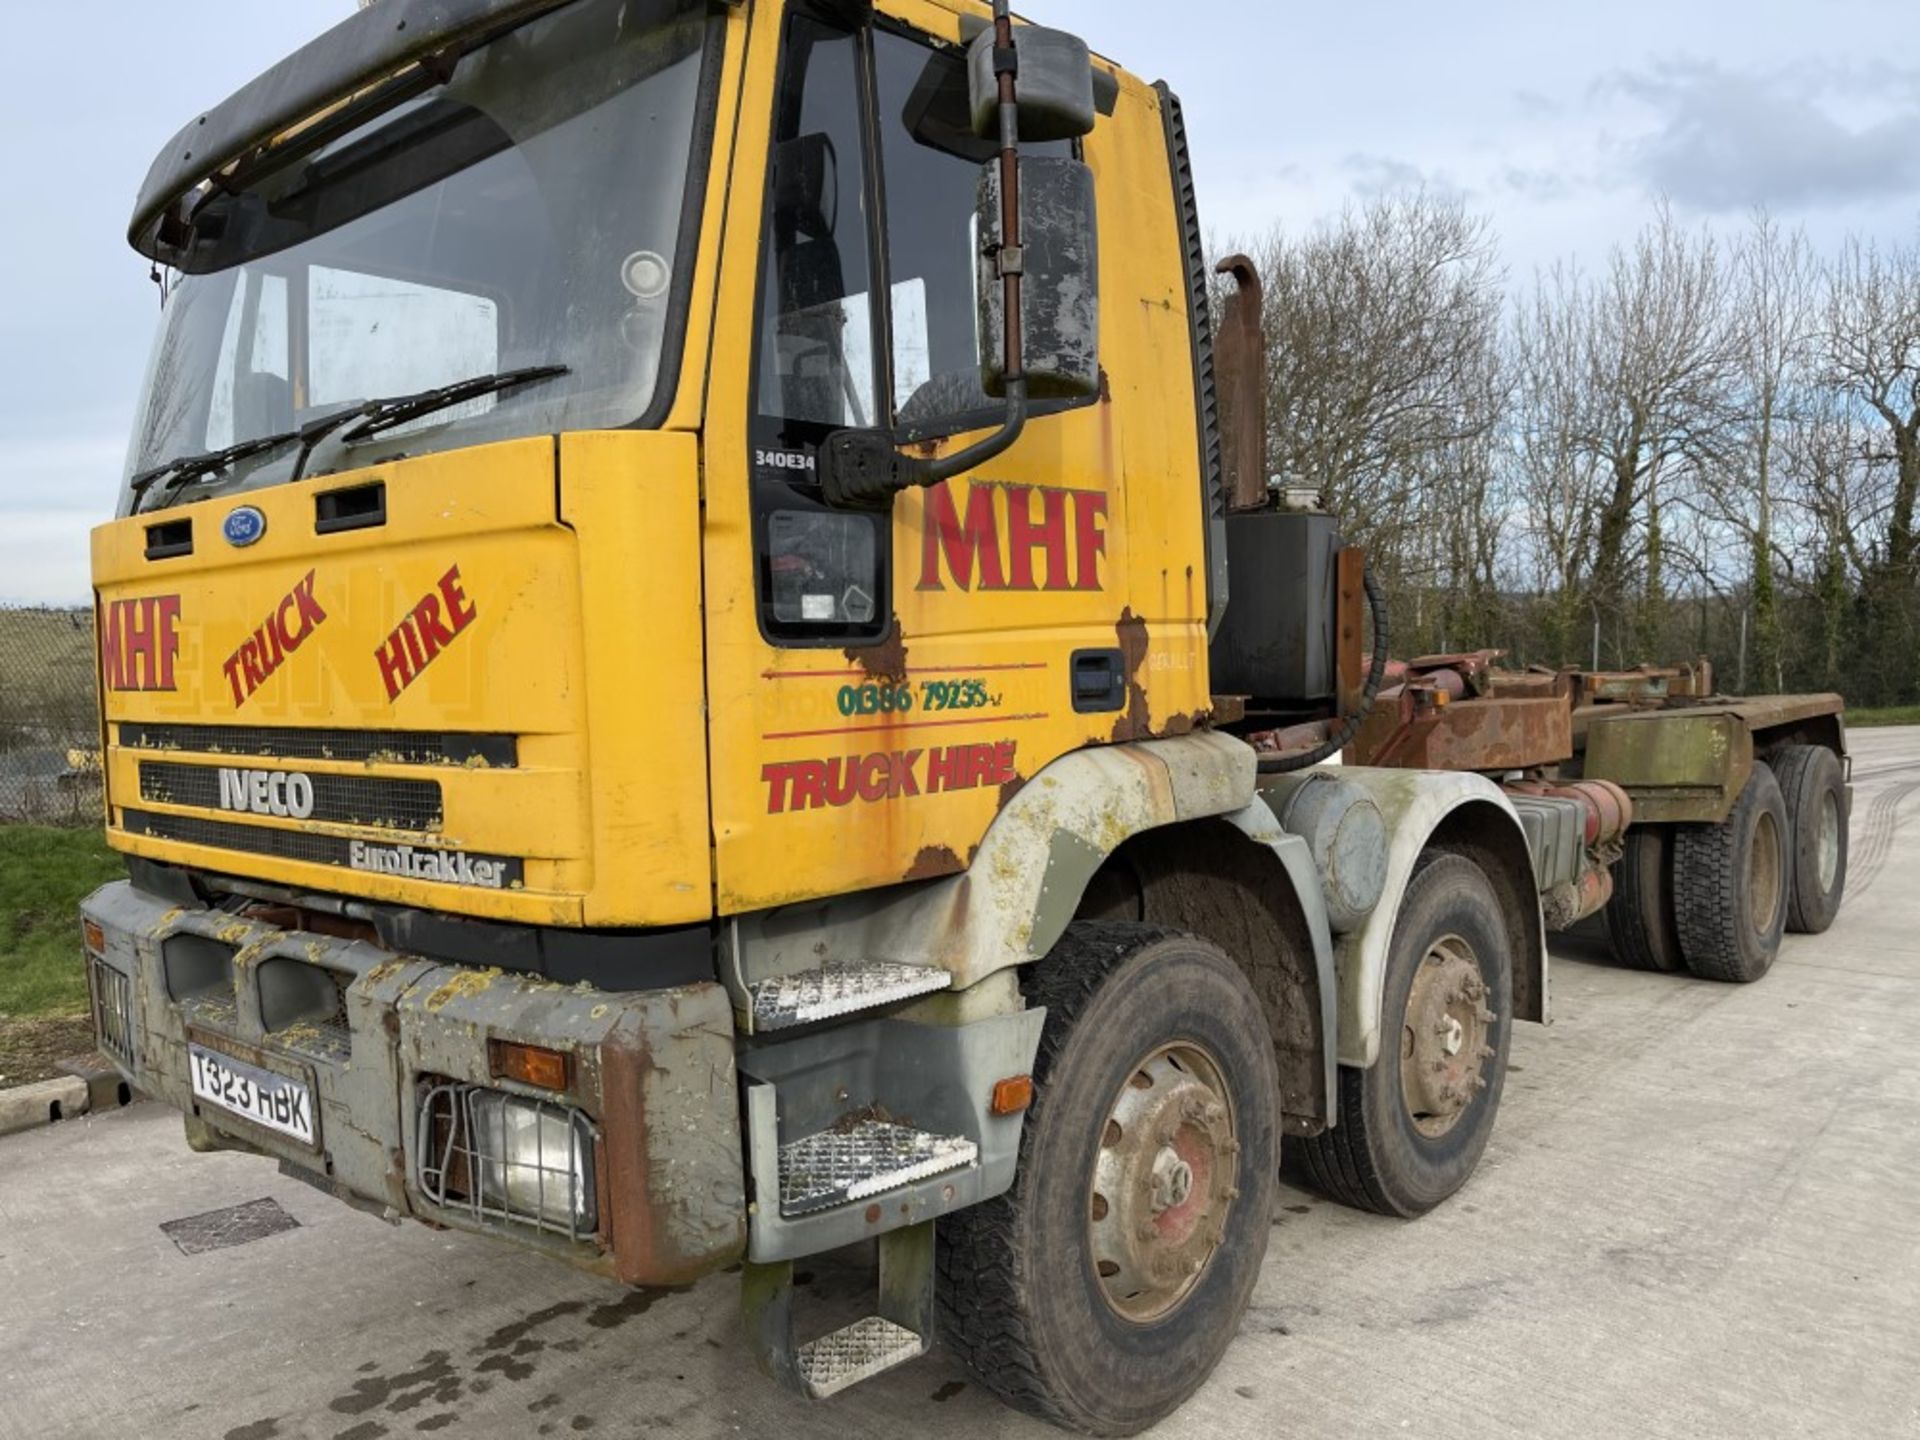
x: 886, y: 662
x: 1012, y: 788
x: 935, y: 862
x: 1134, y: 723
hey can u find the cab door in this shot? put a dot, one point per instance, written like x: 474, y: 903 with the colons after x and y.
x: 882, y: 685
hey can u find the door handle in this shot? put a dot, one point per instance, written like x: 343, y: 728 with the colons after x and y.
x: 1099, y: 681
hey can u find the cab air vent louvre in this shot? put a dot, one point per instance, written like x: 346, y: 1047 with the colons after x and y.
x: 392, y: 747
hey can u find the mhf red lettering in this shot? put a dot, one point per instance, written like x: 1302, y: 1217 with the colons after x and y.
x: 284, y: 631
x: 435, y: 620
x: 139, y: 643
x: 981, y: 553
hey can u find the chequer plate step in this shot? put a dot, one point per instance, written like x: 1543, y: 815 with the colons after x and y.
x: 858, y: 1161
x: 784, y: 1001
x: 863, y: 1350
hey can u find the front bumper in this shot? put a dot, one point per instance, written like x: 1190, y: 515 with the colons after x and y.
x: 651, y: 1075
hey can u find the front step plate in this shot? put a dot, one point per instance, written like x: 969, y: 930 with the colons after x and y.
x: 784, y: 1001
x: 857, y: 1161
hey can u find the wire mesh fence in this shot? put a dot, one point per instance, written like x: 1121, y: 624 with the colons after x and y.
x: 49, y: 729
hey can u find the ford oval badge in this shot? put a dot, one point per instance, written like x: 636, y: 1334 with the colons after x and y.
x: 244, y: 526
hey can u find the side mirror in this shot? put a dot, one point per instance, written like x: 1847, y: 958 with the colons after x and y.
x: 1038, y: 288
x: 1055, y: 84
x: 1059, y: 340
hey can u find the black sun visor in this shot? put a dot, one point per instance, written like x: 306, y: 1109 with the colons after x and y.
x: 378, y: 57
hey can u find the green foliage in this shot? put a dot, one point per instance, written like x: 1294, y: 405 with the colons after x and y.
x: 44, y: 875
x: 1897, y: 715
x: 46, y: 668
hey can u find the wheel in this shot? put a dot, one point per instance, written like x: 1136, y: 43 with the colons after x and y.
x: 1640, y: 918
x: 1103, y: 1288
x: 1730, y: 885
x: 1412, y: 1128
x: 1815, y: 788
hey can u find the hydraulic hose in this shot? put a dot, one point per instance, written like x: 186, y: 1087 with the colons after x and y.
x: 1382, y: 643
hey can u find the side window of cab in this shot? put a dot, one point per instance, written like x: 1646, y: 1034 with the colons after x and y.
x: 822, y: 574
x: 862, y: 324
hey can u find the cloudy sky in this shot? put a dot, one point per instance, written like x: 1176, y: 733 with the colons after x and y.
x: 1563, y: 123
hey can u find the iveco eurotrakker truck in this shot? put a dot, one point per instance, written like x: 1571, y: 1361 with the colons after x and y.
x: 677, y: 658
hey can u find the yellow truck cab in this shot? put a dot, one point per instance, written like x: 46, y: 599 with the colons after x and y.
x: 657, y: 657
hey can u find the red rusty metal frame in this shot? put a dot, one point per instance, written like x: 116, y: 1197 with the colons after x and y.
x: 1423, y: 728
x: 1240, y: 371
x: 1350, y: 627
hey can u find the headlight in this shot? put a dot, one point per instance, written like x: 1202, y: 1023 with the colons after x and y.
x: 534, y: 1159
x: 507, y: 1157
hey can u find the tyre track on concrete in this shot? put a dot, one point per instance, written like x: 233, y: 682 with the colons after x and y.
x: 1880, y: 772
x: 1882, y: 825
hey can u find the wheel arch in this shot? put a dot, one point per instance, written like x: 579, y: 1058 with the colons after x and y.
x: 1829, y: 732
x: 1459, y: 814
x: 1058, y: 847
x: 1242, y: 883
x: 1025, y: 880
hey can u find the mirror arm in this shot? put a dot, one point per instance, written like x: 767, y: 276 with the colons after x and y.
x: 1012, y: 258
x: 861, y: 469
x: 938, y: 472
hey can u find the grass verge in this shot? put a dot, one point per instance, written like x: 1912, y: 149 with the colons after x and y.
x: 1898, y: 715
x: 44, y: 874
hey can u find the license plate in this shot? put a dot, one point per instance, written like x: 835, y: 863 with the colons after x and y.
x: 275, y: 1101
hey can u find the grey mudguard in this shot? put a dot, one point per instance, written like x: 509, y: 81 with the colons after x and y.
x: 1416, y: 803
x: 1256, y: 822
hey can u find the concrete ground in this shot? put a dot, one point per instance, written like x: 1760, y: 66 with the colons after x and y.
x: 1700, y: 1217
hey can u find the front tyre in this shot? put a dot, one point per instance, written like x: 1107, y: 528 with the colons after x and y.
x: 1412, y: 1128
x: 1103, y: 1288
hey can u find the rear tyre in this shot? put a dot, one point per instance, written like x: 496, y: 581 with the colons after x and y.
x: 1815, y: 787
x: 1731, y: 885
x: 1103, y: 1288
x: 1640, y: 917
x: 1412, y: 1128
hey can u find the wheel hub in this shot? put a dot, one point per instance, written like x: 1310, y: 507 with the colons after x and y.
x: 1444, y: 1047
x: 1829, y: 841
x: 1764, y: 874
x: 1163, y: 1182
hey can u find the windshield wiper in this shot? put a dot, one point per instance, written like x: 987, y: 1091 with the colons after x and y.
x: 360, y: 422
x: 177, y: 473
x: 367, y: 418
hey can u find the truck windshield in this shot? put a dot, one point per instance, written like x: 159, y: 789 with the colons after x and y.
x: 526, y: 214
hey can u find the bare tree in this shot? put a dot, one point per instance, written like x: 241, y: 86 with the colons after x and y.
x: 1627, y: 383
x: 1774, y: 298
x: 1385, y: 381
x: 1872, y: 359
